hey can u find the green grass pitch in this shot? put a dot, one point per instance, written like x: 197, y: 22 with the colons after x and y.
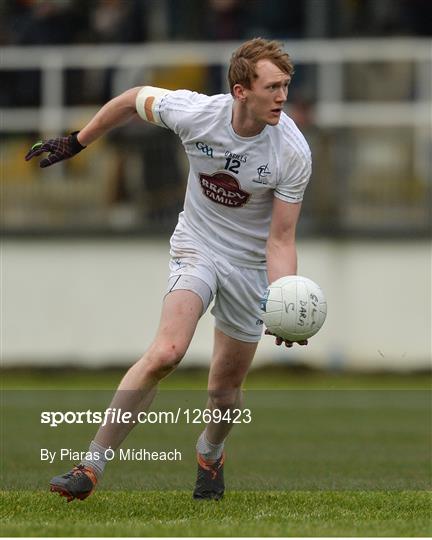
x: 325, y: 455
x: 250, y: 513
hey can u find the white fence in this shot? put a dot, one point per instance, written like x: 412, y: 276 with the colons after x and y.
x: 133, y: 65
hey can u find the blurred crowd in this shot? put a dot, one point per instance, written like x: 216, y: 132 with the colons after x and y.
x: 130, y: 193
x: 62, y: 22
x: 31, y: 22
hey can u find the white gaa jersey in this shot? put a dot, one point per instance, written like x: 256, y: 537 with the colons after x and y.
x: 232, y: 179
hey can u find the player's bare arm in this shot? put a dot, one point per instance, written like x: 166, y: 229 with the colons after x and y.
x: 281, y: 243
x: 281, y: 246
x: 138, y: 101
x: 115, y: 113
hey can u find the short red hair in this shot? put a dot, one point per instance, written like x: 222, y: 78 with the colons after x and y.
x: 244, y: 60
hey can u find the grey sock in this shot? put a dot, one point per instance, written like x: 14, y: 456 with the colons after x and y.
x: 97, y: 459
x: 207, y: 449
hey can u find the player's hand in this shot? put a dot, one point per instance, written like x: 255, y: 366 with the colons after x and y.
x: 58, y: 149
x: 288, y: 343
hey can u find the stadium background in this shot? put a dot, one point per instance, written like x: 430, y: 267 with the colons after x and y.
x: 330, y: 451
x: 85, y: 244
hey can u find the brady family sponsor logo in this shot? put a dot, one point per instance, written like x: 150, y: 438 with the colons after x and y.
x: 222, y: 188
x: 205, y: 148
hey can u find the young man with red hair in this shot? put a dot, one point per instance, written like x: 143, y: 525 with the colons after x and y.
x: 249, y: 166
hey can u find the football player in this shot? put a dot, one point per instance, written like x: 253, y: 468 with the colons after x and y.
x: 249, y: 167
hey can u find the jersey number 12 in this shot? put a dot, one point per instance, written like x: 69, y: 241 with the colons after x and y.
x: 232, y: 165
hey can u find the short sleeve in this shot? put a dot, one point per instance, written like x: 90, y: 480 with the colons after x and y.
x: 295, y: 175
x: 180, y: 111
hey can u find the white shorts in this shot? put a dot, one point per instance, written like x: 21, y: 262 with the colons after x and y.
x: 237, y: 291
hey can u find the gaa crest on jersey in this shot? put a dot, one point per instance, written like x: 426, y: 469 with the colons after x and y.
x: 222, y: 188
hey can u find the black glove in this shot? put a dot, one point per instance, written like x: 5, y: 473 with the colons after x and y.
x: 59, y: 149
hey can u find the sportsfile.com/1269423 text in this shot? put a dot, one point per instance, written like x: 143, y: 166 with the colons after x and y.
x: 118, y: 416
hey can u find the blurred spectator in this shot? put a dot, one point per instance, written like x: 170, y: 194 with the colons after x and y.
x: 43, y: 22
x: 112, y: 21
x: 322, y: 202
x: 117, y: 21
x: 226, y: 19
x: 148, y: 175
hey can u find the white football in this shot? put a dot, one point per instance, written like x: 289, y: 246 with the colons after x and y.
x: 294, y: 308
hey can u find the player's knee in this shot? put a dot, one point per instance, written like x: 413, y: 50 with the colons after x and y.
x: 164, y: 358
x: 224, y: 399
